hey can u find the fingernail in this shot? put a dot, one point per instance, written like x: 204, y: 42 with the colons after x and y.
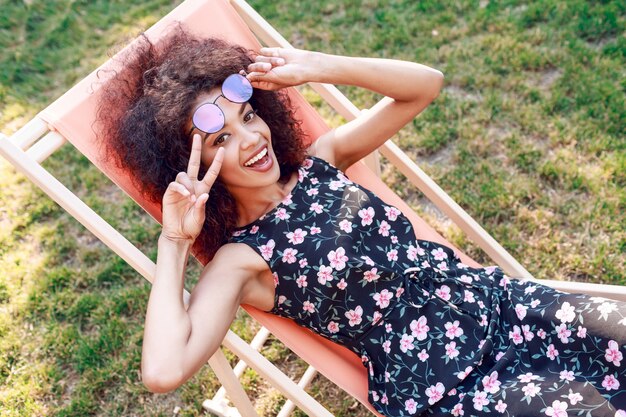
x: 280, y: 61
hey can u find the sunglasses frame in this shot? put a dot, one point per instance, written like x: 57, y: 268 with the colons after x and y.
x: 220, y: 113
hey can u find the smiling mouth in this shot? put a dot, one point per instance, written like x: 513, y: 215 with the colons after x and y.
x: 256, y: 158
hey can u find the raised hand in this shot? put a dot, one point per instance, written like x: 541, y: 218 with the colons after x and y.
x: 185, y: 198
x: 276, y: 68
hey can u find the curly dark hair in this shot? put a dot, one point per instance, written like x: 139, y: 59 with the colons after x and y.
x: 145, y: 107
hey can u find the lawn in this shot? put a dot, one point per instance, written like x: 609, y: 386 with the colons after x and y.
x: 528, y: 136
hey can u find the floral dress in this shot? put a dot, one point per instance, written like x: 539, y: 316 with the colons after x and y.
x: 436, y: 336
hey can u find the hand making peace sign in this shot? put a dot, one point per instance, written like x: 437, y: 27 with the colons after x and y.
x: 185, y: 198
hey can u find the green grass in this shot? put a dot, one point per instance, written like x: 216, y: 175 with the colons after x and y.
x: 527, y: 135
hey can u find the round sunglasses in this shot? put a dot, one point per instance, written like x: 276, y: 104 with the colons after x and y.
x: 208, y: 117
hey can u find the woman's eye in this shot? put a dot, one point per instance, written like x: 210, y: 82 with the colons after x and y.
x: 249, y: 116
x: 221, y: 138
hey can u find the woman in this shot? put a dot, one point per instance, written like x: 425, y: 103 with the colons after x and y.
x: 286, y: 231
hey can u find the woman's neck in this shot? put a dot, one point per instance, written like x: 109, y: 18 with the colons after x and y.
x: 253, y: 203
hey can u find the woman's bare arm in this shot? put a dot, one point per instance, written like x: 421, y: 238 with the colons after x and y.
x: 177, y: 342
x: 408, y: 88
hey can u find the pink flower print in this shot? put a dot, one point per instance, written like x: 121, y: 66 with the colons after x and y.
x: 520, y: 310
x: 387, y: 376
x: 333, y: 327
x: 287, y: 200
x: 355, y: 316
x: 324, y: 274
x: 612, y: 353
x: 371, y: 275
x: 307, y: 164
x: 312, y: 192
x: 480, y: 400
x: 442, y: 266
x: 419, y: 328
x: 489, y: 269
x: 384, y: 228
x: 282, y: 214
x: 342, y: 284
x: 301, y: 281
x: 463, y: 374
x: 411, y: 253
x: 383, y: 298
x: 530, y: 289
x: 335, y: 185
x: 367, y: 216
x: 491, y: 383
x: 574, y: 397
x: 282, y: 299
x: 425, y: 264
x: 267, y: 250
x: 423, y: 355
x: 388, y: 328
x: 552, y: 352
x: 392, y: 213
x: 303, y: 262
x: 406, y: 343
x: 528, y: 335
x: 316, y: 208
x: 376, y: 317
x: 394, y: 239
x: 308, y: 306
x: 563, y: 332
x: 527, y: 377
x: 516, y: 335
x: 483, y: 320
x: 315, y: 230
x: 451, y: 350
x: 610, y: 382
x: 410, y: 406
x: 443, y: 292
x: 238, y: 233
x: 368, y: 260
x: 481, y: 343
x: 457, y: 410
x: 384, y: 399
x: 289, y: 255
x: 345, y: 225
x: 337, y: 258
x: 254, y: 229
x: 466, y: 279
x: 469, y: 297
x: 566, y: 375
x: 541, y: 334
x: 435, y: 393
x: 375, y: 396
x: 387, y: 346
x: 558, y: 409
x: 297, y: 236
x: 314, y: 181
x: 399, y: 292
x: 566, y: 313
x: 531, y: 389
x: 275, y: 277
x: 534, y: 303
x: 500, y: 407
x: 453, y: 330
x: 620, y: 413
x: 301, y: 174
x: 499, y: 356
x: 439, y: 254
x: 392, y: 255
x: 582, y: 332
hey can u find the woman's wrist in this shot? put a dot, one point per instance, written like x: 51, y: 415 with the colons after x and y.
x: 175, y: 241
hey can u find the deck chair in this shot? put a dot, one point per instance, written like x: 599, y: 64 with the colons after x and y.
x: 70, y: 119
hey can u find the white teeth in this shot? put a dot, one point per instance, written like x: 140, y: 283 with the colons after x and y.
x: 256, y: 158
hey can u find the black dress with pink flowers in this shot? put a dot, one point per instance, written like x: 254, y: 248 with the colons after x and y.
x: 436, y: 336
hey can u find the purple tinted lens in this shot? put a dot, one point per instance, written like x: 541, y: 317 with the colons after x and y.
x: 237, y: 88
x: 208, y: 118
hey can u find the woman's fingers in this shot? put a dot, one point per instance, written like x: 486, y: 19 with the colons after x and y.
x: 269, y: 59
x: 194, y: 159
x: 275, y: 52
x: 214, y: 169
x: 259, y: 67
x: 184, y: 179
x: 180, y: 189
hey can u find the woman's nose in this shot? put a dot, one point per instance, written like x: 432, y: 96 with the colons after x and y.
x: 249, y: 138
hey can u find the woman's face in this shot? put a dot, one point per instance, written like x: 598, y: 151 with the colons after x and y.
x: 249, y: 159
